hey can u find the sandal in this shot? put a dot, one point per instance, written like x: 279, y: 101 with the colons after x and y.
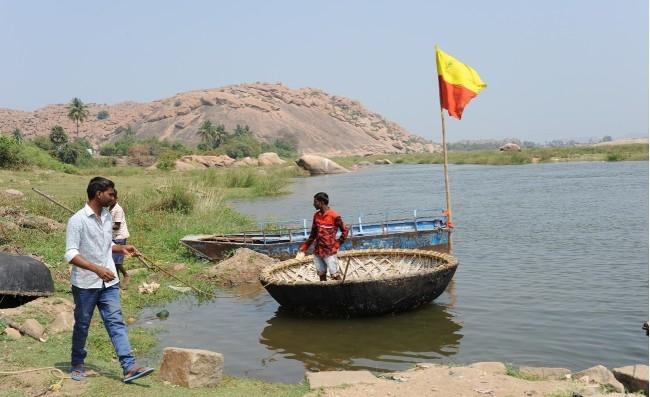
x: 78, y: 374
x: 136, y: 373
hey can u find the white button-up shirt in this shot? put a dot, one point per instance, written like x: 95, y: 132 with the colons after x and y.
x: 91, y: 237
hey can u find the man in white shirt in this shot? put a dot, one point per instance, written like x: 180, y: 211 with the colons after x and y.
x: 94, y: 279
x: 120, y: 234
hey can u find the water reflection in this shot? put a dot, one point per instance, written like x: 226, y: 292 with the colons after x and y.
x: 377, y: 343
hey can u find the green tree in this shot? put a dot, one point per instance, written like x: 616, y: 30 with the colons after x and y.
x: 606, y: 138
x: 58, y: 136
x: 241, y: 131
x: 211, y: 134
x: 77, y: 112
x: 206, y: 131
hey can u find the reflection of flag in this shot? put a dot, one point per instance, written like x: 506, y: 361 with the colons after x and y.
x: 458, y: 83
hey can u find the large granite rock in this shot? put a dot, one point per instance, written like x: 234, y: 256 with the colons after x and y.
x: 510, y: 147
x: 600, y: 375
x: 317, y: 165
x: 64, y: 321
x: 634, y: 377
x: 269, y: 158
x: 191, y: 367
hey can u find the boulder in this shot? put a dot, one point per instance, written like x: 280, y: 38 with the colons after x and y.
x: 242, y: 268
x: 383, y: 161
x: 14, y: 194
x: 32, y: 328
x: 634, y: 377
x: 12, y: 333
x: 269, y: 158
x: 599, y: 375
x: 510, y: 147
x: 246, y: 162
x: 64, y: 321
x: 545, y: 373
x: 191, y: 367
x: 317, y: 165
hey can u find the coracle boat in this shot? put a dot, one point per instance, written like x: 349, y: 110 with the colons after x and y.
x: 376, y: 281
x: 420, y: 230
x: 22, y: 279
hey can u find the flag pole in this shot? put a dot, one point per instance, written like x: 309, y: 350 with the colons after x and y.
x: 445, y: 164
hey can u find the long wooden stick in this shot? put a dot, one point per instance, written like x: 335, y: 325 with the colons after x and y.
x: 52, y: 200
x: 345, y: 273
x: 151, y: 265
x: 445, y: 163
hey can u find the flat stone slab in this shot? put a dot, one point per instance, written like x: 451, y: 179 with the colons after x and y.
x: 491, y: 367
x: 339, y: 378
x: 546, y: 372
x: 634, y: 377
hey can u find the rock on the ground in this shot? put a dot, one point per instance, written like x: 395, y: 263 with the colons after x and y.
x: 194, y: 161
x: 317, y: 165
x: 545, y: 372
x: 339, y: 378
x: 383, y: 161
x: 491, y: 367
x: 13, y: 193
x: 246, y: 162
x: 510, y: 147
x: 633, y: 377
x: 64, y: 321
x: 41, y: 223
x: 12, y: 333
x: 243, y: 267
x: 191, y: 367
x: 600, y: 375
x: 269, y: 158
x: 32, y: 328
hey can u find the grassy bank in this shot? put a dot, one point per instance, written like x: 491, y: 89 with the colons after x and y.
x: 635, y: 152
x: 161, y: 208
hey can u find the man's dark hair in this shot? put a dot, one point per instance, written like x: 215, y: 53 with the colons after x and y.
x: 98, y: 184
x: 322, y: 197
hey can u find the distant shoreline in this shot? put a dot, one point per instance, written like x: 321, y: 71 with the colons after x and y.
x: 611, y: 152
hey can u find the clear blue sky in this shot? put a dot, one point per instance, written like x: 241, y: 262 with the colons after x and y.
x: 555, y: 69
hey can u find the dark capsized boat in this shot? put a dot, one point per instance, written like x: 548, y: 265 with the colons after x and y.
x: 22, y: 279
x: 374, y: 282
x: 420, y: 230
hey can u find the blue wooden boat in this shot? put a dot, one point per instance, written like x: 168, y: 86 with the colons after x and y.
x: 420, y: 230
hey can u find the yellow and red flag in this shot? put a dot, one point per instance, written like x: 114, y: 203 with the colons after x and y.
x: 458, y: 83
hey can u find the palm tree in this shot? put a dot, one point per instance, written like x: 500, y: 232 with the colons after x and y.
x: 77, y: 112
x: 220, y: 135
x: 207, y: 131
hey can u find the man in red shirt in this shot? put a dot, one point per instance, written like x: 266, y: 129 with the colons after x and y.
x: 324, y: 227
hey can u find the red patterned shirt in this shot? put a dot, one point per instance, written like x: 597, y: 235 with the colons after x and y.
x: 323, y: 231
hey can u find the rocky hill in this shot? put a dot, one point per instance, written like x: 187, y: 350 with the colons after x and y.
x: 318, y: 122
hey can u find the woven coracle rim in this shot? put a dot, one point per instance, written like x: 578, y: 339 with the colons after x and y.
x: 449, y: 261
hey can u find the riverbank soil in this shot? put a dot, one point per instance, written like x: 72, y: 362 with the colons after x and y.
x: 481, y: 379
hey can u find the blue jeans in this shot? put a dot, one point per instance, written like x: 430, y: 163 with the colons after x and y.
x: 107, y: 299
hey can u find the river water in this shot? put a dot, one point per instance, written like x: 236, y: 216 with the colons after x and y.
x: 553, y: 272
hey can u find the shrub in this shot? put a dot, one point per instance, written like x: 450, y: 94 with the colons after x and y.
x: 167, y: 161
x: 11, y: 155
x: 43, y: 143
x: 67, y: 153
x: 175, y: 199
x: 58, y: 135
x: 284, y: 147
x: 102, y: 115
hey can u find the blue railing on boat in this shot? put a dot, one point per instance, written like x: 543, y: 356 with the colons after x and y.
x: 374, y: 223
